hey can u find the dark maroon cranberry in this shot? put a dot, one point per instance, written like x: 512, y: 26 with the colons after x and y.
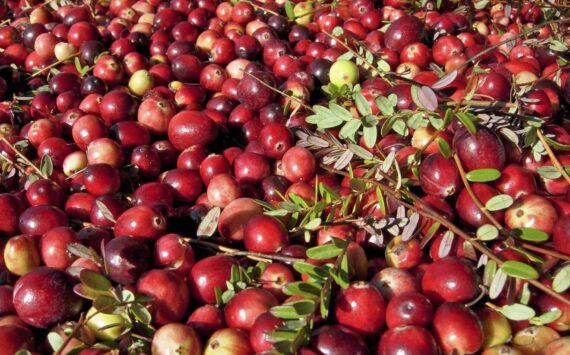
x: 126, y: 259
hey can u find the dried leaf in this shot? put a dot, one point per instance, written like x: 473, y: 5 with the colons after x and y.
x: 446, y: 244
x: 445, y: 80
x: 209, y: 224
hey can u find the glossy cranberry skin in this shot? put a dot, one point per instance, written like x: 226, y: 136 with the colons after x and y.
x: 186, y: 68
x: 117, y: 106
x: 298, y: 164
x: 147, y: 160
x: 407, y: 340
x: 206, y: 320
x: 456, y: 327
x: 273, y: 186
x: 265, y: 234
x: 410, y: 308
x: 439, y: 176
x: 12, y: 207
x: 142, y: 222
x: 254, y: 94
x: 188, y: 128
x: 53, y: 247
x: 45, y: 192
x: 450, y: 279
x: 207, y: 274
x: 167, y: 306
x: 37, y: 220
x: 479, y: 151
x: 130, y: 134
x: 100, y: 218
x: 86, y: 129
x: 44, y: 297
x: 213, y: 165
x: 403, y: 31
x: 338, y: 340
x: 186, y: 184
x: 561, y: 234
x: 469, y: 213
x: 101, y: 179
x: 516, y: 181
x: 493, y: 85
x: 172, y: 253
x: 126, y: 259
x: 78, y: 206
x: 265, y: 323
x: 250, y: 168
x: 358, y: 299
x: 276, y: 139
x: 244, y: 308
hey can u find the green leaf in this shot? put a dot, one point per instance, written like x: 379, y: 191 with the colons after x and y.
x: 325, y: 299
x: 444, y: 147
x: 468, y: 121
x: 361, y: 104
x: 289, y: 206
x: 370, y: 136
x: 46, y: 165
x: 483, y: 175
x: 95, y: 280
x: 315, y: 272
x: 323, y: 252
x: 360, y: 152
x: 105, y: 304
x: 329, y: 122
x: 517, y: 312
x: 547, y: 317
x: 314, y: 224
x: 342, y: 277
x: 289, y: 10
x: 141, y: 313
x: 447, y: 117
x: 416, y: 120
x: 499, y: 202
x: 349, y: 129
x: 294, y: 310
x: 340, y: 112
x: 55, y: 341
x: 302, y: 288
x: 489, y: 272
x: 519, y: 270
x: 530, y: 234
x: 86, y: 292
x: 549, y: 172
x: 384, y: 105
x: 555, y: 144
x: 487, y: 232
x: 209, y: 223
x: 561, y: 281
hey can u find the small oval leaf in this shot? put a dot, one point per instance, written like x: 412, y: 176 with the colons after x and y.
x: 446, y: 244
x: 445, y: 80
x: 483, y: 175
x: 561, y: 281
x: 530, y: 234
x: 209, y: 224
x: 487, y: 232
x: 517, y: 312
x: 499, y: 202
x: 519, y: 270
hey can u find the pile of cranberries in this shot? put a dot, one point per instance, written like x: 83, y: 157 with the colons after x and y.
x: 313, y: 177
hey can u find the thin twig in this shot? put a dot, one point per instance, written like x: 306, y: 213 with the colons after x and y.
x: 24, y: 158
x: 552, y: 156
x: 478, y: 203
